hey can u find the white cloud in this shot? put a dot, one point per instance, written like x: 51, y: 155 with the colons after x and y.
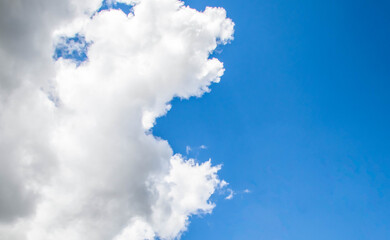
x: 87, y: 165
x: 231, y: 194
x: 188, y: 149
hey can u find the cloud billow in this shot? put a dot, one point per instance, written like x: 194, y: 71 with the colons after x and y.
x: 79, y: 160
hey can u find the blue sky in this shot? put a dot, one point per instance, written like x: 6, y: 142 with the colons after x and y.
x: 300, y: 118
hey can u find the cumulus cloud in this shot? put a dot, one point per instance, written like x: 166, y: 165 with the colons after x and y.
x: 78, y: 158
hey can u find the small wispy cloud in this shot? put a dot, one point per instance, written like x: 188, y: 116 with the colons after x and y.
x: 196, y: 150
x: 231, y: 194
x: 188, y: 149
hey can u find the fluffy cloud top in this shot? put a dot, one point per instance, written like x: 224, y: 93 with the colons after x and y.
x: 77, y: 155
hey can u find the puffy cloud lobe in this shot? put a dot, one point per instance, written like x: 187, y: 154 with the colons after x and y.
x: 183, y: 192
x: 83, y: 163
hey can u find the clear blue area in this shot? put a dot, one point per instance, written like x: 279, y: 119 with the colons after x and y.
x: 300, y: 118
x: 74, y: 48
x: 106, y: 5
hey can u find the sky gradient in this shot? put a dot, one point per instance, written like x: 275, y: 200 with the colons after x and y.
x: 300, y: 118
